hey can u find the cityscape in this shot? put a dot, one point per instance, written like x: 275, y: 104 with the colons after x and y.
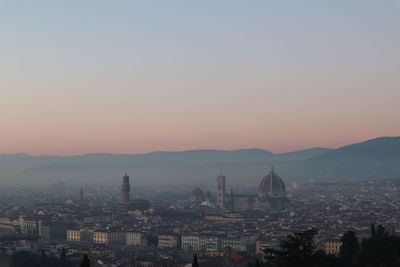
x: 221, y: 227
x: 206, y: 133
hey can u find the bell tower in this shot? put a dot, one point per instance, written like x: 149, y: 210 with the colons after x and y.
x: 221, y: 183
x: 126, y: 188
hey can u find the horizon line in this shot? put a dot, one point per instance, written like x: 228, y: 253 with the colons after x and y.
x: 189, y: 150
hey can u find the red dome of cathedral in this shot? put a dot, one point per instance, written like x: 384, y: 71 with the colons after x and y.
x: 272, y: 186
x: 197, y: 195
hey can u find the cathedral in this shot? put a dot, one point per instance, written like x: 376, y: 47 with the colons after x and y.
x: 271, y: 195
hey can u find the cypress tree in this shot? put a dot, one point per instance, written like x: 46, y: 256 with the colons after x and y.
x: 349, y: 248
x: 373, y: 232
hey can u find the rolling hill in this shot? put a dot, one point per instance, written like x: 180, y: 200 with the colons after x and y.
x: 377, y: 158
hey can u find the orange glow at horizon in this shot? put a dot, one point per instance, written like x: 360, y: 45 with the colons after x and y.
x: 128, y: 77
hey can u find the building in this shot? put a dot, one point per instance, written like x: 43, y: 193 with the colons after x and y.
x: 83, y: 236
x: 209, y: 242
x: 29, y: 226
x: 73, y: 235
x: 271, y: 194
x: 126, y: 189
x: 82, y: 201
x: 203, y: 242
x: 238, y: 243
x: 332, y: 246
x: 260, y: 247
x: 221, y: 187
x: 126, y: 205
x: 100, y: 237
x: 272, y: 191
x: 134, y: 239
x: 116, y: 238
x: 52, y: 231
x: 97, y: 217
x: 222, y: 218
x: 169, y: 241
x: 109, y: 238
x: 87, y: 236
x: 190, y: 242
x: 197, y: 195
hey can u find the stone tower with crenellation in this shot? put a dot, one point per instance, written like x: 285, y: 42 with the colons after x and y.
x: 126, y: 188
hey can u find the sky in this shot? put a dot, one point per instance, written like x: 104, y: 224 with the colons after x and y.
x: 137, y: 76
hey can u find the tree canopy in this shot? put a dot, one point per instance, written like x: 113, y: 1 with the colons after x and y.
x: 299, y: 250
x: 380, y: 250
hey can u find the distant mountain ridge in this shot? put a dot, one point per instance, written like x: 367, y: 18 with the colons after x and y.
x: 376, y: 158
x: 374, y: 149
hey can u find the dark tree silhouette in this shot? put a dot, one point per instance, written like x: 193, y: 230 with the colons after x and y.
x: 349, y: 248
x: 380, y: 250
x: 63, y: 254
x: 373, y: 232
x: 380, y: 230
x: 195, y: 263
x: 63, y: 258
x: 299, y: 250
x: 27, y: 259
x: 85, y: 261
x: 257, y: 263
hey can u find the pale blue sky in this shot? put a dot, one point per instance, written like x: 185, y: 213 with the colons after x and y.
x: 135, y: 76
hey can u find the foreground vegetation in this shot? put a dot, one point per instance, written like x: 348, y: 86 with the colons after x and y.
x: 380, y: 250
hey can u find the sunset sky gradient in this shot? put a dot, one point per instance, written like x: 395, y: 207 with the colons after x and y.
x: 138, y: 76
